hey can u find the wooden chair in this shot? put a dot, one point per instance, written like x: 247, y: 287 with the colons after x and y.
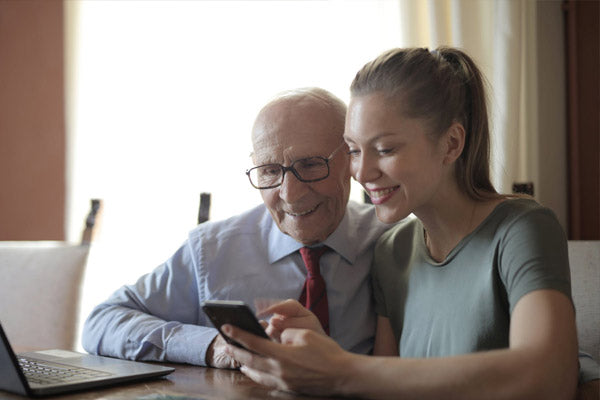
x: 40, y: 283
x: 204, y: 208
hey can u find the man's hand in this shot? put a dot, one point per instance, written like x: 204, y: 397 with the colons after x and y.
x: 290, y: 314
x: 216, y: 357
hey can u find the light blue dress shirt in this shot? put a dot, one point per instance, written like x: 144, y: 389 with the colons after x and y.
x: 243, y: 258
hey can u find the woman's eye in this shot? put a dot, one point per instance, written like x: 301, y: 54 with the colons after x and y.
x: 353, y: 152
x: 384, y: 151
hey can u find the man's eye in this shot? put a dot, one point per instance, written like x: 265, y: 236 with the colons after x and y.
x: 384, y: 151
x: 270, y: 171
x: 309, y: 163
x: 353, y: 152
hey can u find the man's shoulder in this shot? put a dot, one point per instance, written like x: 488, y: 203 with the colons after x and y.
x: 362, y: 218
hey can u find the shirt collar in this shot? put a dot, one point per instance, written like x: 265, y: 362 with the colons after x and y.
x: 341, y: 241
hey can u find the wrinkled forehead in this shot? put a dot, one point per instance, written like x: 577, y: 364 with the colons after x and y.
x: 289, y: 130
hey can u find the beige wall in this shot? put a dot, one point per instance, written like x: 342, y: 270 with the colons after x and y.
x: 32, y: 129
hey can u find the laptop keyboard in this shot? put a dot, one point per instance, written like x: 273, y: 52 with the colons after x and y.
x: 44, y: 372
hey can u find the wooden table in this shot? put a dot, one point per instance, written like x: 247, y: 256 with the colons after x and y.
x: 187, y: 382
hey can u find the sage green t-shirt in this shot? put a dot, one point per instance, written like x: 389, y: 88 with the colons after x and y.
x: 463, y: 304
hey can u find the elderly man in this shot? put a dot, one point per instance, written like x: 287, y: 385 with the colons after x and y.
x: 301, y: 169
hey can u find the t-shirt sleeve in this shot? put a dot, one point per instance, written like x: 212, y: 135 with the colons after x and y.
x: 376, y: 272
x: 533, y: 255
x: 391, y: 264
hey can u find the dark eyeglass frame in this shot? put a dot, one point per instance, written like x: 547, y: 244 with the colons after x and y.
x: 291, y: 168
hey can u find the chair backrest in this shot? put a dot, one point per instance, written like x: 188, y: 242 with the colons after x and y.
x: 584, y: 259
x: 90, y: 221
x: 204, y: 208
x: 40, y: 284
x: 39, y: 293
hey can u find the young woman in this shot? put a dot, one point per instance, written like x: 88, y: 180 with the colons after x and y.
x: 474, y: 293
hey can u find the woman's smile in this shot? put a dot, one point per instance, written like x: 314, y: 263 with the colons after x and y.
x: 381, y: 195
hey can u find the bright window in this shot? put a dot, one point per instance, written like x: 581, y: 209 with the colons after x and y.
x: 161, y: 99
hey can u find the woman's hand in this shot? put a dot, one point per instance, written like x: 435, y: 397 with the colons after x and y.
x: 290, y: 314
x: 305, y: 361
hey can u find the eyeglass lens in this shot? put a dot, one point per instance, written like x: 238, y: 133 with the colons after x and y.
x: 306, y: 169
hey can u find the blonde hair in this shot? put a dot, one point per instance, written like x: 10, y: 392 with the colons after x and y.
x: 441, y: 87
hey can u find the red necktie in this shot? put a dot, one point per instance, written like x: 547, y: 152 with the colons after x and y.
x: 314, y: 292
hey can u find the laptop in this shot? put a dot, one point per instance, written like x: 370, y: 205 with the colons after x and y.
x: 43, y: 373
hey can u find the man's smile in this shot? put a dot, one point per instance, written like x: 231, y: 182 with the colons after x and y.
x: 302, y: 213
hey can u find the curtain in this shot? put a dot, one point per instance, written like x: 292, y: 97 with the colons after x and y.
x: 493, y: 33
x: 508, y: 39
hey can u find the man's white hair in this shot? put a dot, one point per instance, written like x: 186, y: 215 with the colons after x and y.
x: 326, y: 98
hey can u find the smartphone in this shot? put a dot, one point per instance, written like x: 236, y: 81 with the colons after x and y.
x: 221, y: 312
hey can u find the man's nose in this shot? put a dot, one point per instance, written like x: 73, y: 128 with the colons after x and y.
x: 292, y: 189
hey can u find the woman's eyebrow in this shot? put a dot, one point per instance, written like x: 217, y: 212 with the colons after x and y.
x: 373, y: 139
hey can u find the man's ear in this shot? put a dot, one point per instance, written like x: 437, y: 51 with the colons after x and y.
x: 455, y: 142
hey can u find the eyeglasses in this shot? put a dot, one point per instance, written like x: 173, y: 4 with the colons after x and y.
x: 310, y: 169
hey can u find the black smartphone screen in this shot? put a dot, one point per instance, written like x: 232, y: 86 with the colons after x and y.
x: 221, y: 312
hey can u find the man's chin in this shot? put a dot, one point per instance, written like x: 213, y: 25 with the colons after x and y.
x: 303, y: 237
x: 305, y: 234
x: 307, y: 229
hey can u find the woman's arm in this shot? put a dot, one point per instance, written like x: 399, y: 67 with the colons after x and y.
x: 541, y: 362
x: 386, y: 343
